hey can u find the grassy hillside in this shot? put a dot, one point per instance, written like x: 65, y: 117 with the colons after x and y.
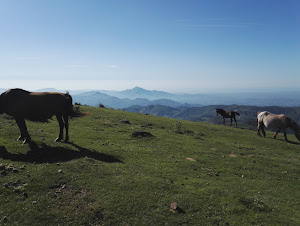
x: 104, y: 176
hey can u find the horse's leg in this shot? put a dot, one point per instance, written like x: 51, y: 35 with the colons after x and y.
x: 66, y: 120
x: 263, y: 130
x: 275, y: 135
x: 22, y: 136
x: 258, y: 131
x: 61, y: 128
x: 235, y: 122
x: 223, y: 120
x: 258, y: 128
x: 230, y: 121
x: 23, y: 129
x: 285, y: 137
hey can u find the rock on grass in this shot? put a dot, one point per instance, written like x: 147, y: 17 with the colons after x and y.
x: 139, y: 133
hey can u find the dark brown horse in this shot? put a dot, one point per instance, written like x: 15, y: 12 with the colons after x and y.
x: 227, y: 114
x: 38, y: 106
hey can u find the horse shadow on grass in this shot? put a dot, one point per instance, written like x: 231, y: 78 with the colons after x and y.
x: 48, y: 154
x: 282, y: 140
x: 293, y: 142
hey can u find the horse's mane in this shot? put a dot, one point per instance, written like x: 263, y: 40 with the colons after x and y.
x: 220, y: 110
x: 18, y: 90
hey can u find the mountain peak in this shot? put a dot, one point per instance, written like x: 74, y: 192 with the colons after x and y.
x: 138, y: 92
x: 138, y: 89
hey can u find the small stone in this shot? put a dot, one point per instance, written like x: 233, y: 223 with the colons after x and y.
x: 125, y: 121
x: 174, y: 206
x: 58, y: 164
x: 138, y: 133
x: 60, y: 171
x: 191, y: 159
x: 5, y: 219
x: 25, y: 195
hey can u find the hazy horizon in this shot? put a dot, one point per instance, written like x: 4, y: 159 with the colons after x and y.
x: 174, y: 46
x: 121, y: 85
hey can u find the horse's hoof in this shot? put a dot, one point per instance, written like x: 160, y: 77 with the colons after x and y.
x: 20, y: 138
x: 57, y: 140
x: 26, y: 141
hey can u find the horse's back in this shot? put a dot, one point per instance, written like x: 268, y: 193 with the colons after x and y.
x: 37, y: 105
x: 272, y: 121
x: 48, y: 101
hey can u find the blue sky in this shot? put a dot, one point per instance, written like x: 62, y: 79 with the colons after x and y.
x: 172, y: 45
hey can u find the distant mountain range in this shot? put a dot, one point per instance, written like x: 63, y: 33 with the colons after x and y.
x: 139, y: 96
x: 94, y: 98
x: 143, y: 97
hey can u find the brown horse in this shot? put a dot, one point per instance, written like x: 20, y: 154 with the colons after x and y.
x: 227, y: 114
x: 38, y: 106
x: 277, y: 122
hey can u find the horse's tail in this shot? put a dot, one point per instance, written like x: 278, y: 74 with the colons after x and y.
x: 73, y: 112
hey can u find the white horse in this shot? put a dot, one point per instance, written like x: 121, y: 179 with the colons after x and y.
x: 277, y: 122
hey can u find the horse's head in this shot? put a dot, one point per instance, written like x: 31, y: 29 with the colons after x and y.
x: 293, y: 125
x: 219, y: 111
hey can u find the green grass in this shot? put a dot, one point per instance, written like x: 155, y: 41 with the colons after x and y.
x: 104, y: 176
